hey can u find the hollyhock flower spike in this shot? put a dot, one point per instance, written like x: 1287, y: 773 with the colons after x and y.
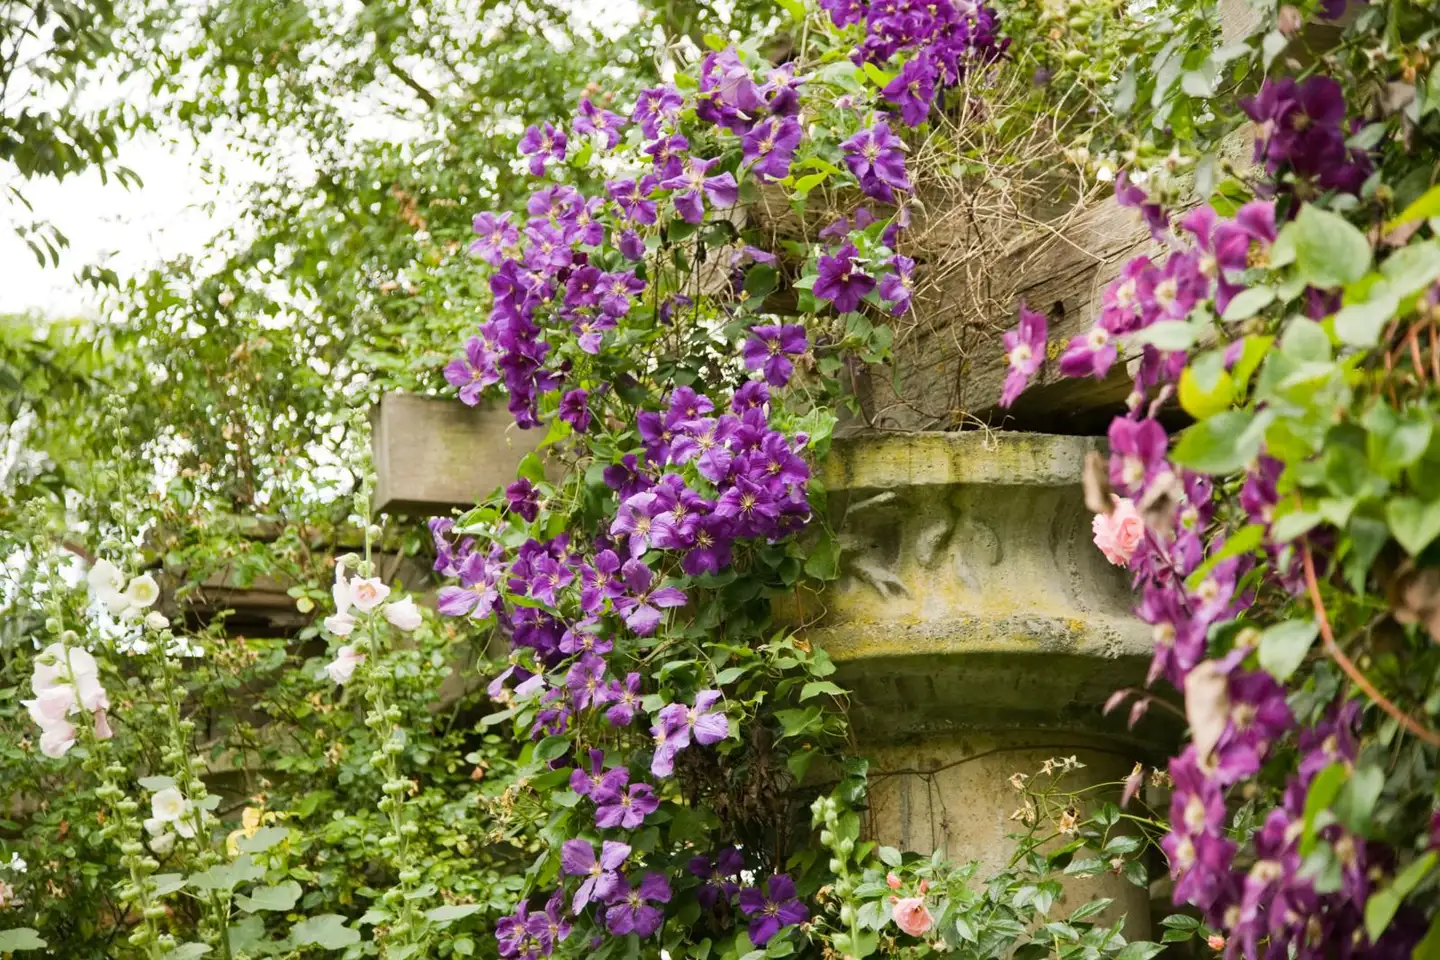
x: 541, y: 144
x: 1024, y: 351
x: 342, y: 668
x: 771, y: 347
x: 771, y: 907
x: 840, y: 279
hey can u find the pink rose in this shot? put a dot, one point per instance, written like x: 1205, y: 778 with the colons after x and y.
x: 892, y: 881
x: 1118, y: 534
x: 912, y: 917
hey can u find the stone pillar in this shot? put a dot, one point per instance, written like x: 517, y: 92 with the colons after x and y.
x: 980, y: 631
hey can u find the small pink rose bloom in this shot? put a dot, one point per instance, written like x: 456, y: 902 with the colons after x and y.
x: 367, y: 593
x: 1215, y: 941
x: 343, y: 667
x: 1119, y: 534
x: 892, y: 881
x: 911, y: 916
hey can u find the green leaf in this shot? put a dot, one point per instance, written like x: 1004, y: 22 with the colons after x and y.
x: 1360, y: 324
x: 226, y: 876
x: 328, y: 930
x: 1271, y: 47
x: 1180, y: 921
x: 1139, y: 950
x: 816, y: 687
x: 551, y: 748
x: 1356, y: 801
x: 795, y: 8
x: 1220, y: 444
x: 1426, y: 206
x: 1323, y: 790
x: 187, y: 951
x: 156, y: 784
x: 166, y: 884
x: 1393, y: 442
x: 889, y: 856
x: 263, y: 839
x: 451, y: 912
x: 1413, y: 522
x: 1206, y: 387
x: 1284, y: 645
x: 20, y: 938
x: 1330, y: 251
x: 277, y: 898
x: 1249, y: 302
x: 1171, y: 334
x: 531, y: 468
x: 1305, y: 341
x: 811, y: 180
x: 824, y: 560
x: 1380, y: 908
x: 1412, y: 268
x: 877, y: 76
x: 1244, y: 540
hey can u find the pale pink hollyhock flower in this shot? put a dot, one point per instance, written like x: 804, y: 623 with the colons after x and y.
x: 51, y: 705
x: 1118, y: 534
x: 367, y: 593
x: 56, y: 741
x: 912, y: 916
x: 102, y: 726
x: 341, y: 624
x: 892, y: 881
x: 342, y: 668
x: 403, y: 614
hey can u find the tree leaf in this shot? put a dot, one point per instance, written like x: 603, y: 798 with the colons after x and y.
x: 1220, y: 444
x: 451, y: 912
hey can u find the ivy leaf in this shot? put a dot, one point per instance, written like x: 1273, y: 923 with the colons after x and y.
x: 816, y: 687
x: 1284, y: 645
x: 328, y: 931
x: 1381, y: 907
x: 277, y: 898
x: 1330, y: 251
x: 1413, y: 522
x: 20, y: 938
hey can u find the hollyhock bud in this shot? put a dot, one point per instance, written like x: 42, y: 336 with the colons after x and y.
x: 155, y: 620
x: 403, y: 614
x: 912, y: 916
x: 892, y: 881
x: 1118, y: 534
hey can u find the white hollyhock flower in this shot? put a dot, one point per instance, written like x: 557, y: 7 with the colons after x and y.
x: 56, y: 741
x: 168, y: 805
x: 107, y: 583
x: 163, y: 844
x: 156, y: 620
x: 343, y: 667
x: 403, y: 614
x: 341, y: 624
x: 142, y: 592
x: 367, y: 593
x: 17, y: 864
x: 341, y: 591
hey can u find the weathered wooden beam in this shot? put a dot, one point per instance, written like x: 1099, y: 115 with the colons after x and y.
x: 433, y: 454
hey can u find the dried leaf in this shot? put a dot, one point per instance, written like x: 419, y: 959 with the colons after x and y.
x: 1207, y: 706
x: 1095, y: 479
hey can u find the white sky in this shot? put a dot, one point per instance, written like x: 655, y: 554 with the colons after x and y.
x: 176, y: 210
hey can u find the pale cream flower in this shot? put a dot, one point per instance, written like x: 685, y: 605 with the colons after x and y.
x: 142, y: 592
x: 343, y: 667
x: 341, y: 624
x: 367, y: 593
x: 403, y: 614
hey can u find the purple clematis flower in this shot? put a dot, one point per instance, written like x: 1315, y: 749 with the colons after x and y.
x: 523, y: 499
x: 627, y: 809
x: 549, y: 576
x: 586, y: 682
x: 635, y: 519
x: 770, y: 146
x: 640, y: 607
x: 616, y: 289
x: 718, y: 876
x: 772, y: 908
x: 876, y: 157
x: 913, y: 90
x: 895, y: 286
x: 668, y: 155
x: 630, y: 911
x: 599, y: 581
x: 1025, y: 351
x: 1089, y: 354
x: 541, y: 144
x: 841, y: 281
x: 771, y: 347
x: 550, y: 926
x: 474, y: 372
x: 586, y: 779
x: 592, y: 119
x: 1137, y: 453
x: 654, y: 107
x: 575, y: 410
x: 493, y: 233
x: 625, y: 477
x: 625, y: 699
x: 577, y: 859
x: 711, y: 552
x: 631, y: 195
x: 752, y: 396
x: 477, y: 594
x: 694, y: 185
x: 677, y: 723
